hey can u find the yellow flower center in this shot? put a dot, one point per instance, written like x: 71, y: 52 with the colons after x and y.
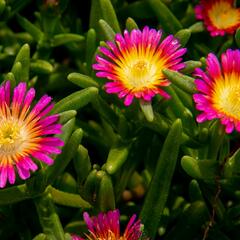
x: 223, y: 15
x: 107, y: 236
x: 226, y: 97
x: 139, y: 74
x: 11, y: 136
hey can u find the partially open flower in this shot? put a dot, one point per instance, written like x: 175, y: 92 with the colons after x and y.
x: 134, y: 64
x: 24, y: 132
x: 107, y: 226
x: 219, y: 89
x: 219, y: 16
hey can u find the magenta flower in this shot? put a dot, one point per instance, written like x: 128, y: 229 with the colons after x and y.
x: 25, y: 132
x: 219, y: 89
x: 107, y: 226
x: 219, y: 16
x: 134, y: 64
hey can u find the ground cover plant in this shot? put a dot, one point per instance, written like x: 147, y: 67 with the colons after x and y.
x: 119, y: 120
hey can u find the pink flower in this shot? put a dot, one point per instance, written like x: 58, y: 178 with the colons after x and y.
x: 134, y: 62
x: 107, y: 226
x: 25, y: 132
x: 219, y: 90
x: 219, y: 16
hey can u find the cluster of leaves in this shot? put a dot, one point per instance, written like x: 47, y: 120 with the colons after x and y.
x: 181, y: 178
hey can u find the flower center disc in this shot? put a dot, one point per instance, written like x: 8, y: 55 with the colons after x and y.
x: 227, y: 98
x: 139, y: 74
x: 10, y: 136
x: 223, y: 15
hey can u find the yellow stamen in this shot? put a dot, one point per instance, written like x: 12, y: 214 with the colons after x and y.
x: 223, y: 15
x: 11, y: 136
x: 226, y: 97
x: 140, y: 73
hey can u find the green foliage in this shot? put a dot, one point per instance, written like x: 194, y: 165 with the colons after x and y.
x: 181, y: 178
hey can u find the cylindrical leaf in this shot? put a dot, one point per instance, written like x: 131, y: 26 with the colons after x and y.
x: 82, y: 80
x: 41, y: 67
x: 76, y: 100
x: 165, y: 17
x: 63, y: 159
x: 82, y: 163
x: 106, y: 198
x: 23, y: 57
x: 183, y: 36
x: 68, y: 199
x: 109, y: 14
x: 107, y: 30
x: 131, y: 24
x: 184, y: 82
x: 65, y: 38
x: 117, y: 156
x: 159, y: 187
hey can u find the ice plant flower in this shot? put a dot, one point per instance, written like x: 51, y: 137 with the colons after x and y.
x: 106, y: 226
x: 134, y: 62
x: 219, y: 90
x: 219, y: 16
x: 25, y: 132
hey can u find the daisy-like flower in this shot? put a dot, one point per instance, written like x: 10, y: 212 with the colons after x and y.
x: 106, y: 226
x: 25, y: 132
x: 134, y: 64
x: 219, y: 90
x: 219, y: 16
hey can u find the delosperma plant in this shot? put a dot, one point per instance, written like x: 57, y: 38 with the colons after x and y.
x: 119, y: 120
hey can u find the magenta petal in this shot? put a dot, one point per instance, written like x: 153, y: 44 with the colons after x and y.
x: 43, y: 157
x: 11, y: 174
x: 3, y: 176
x: 201, y: 118
x: 50, y: 149
x: 23, y: 173
x: 42, y: 103
x: 128, y: 99
x: 229, y: 127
